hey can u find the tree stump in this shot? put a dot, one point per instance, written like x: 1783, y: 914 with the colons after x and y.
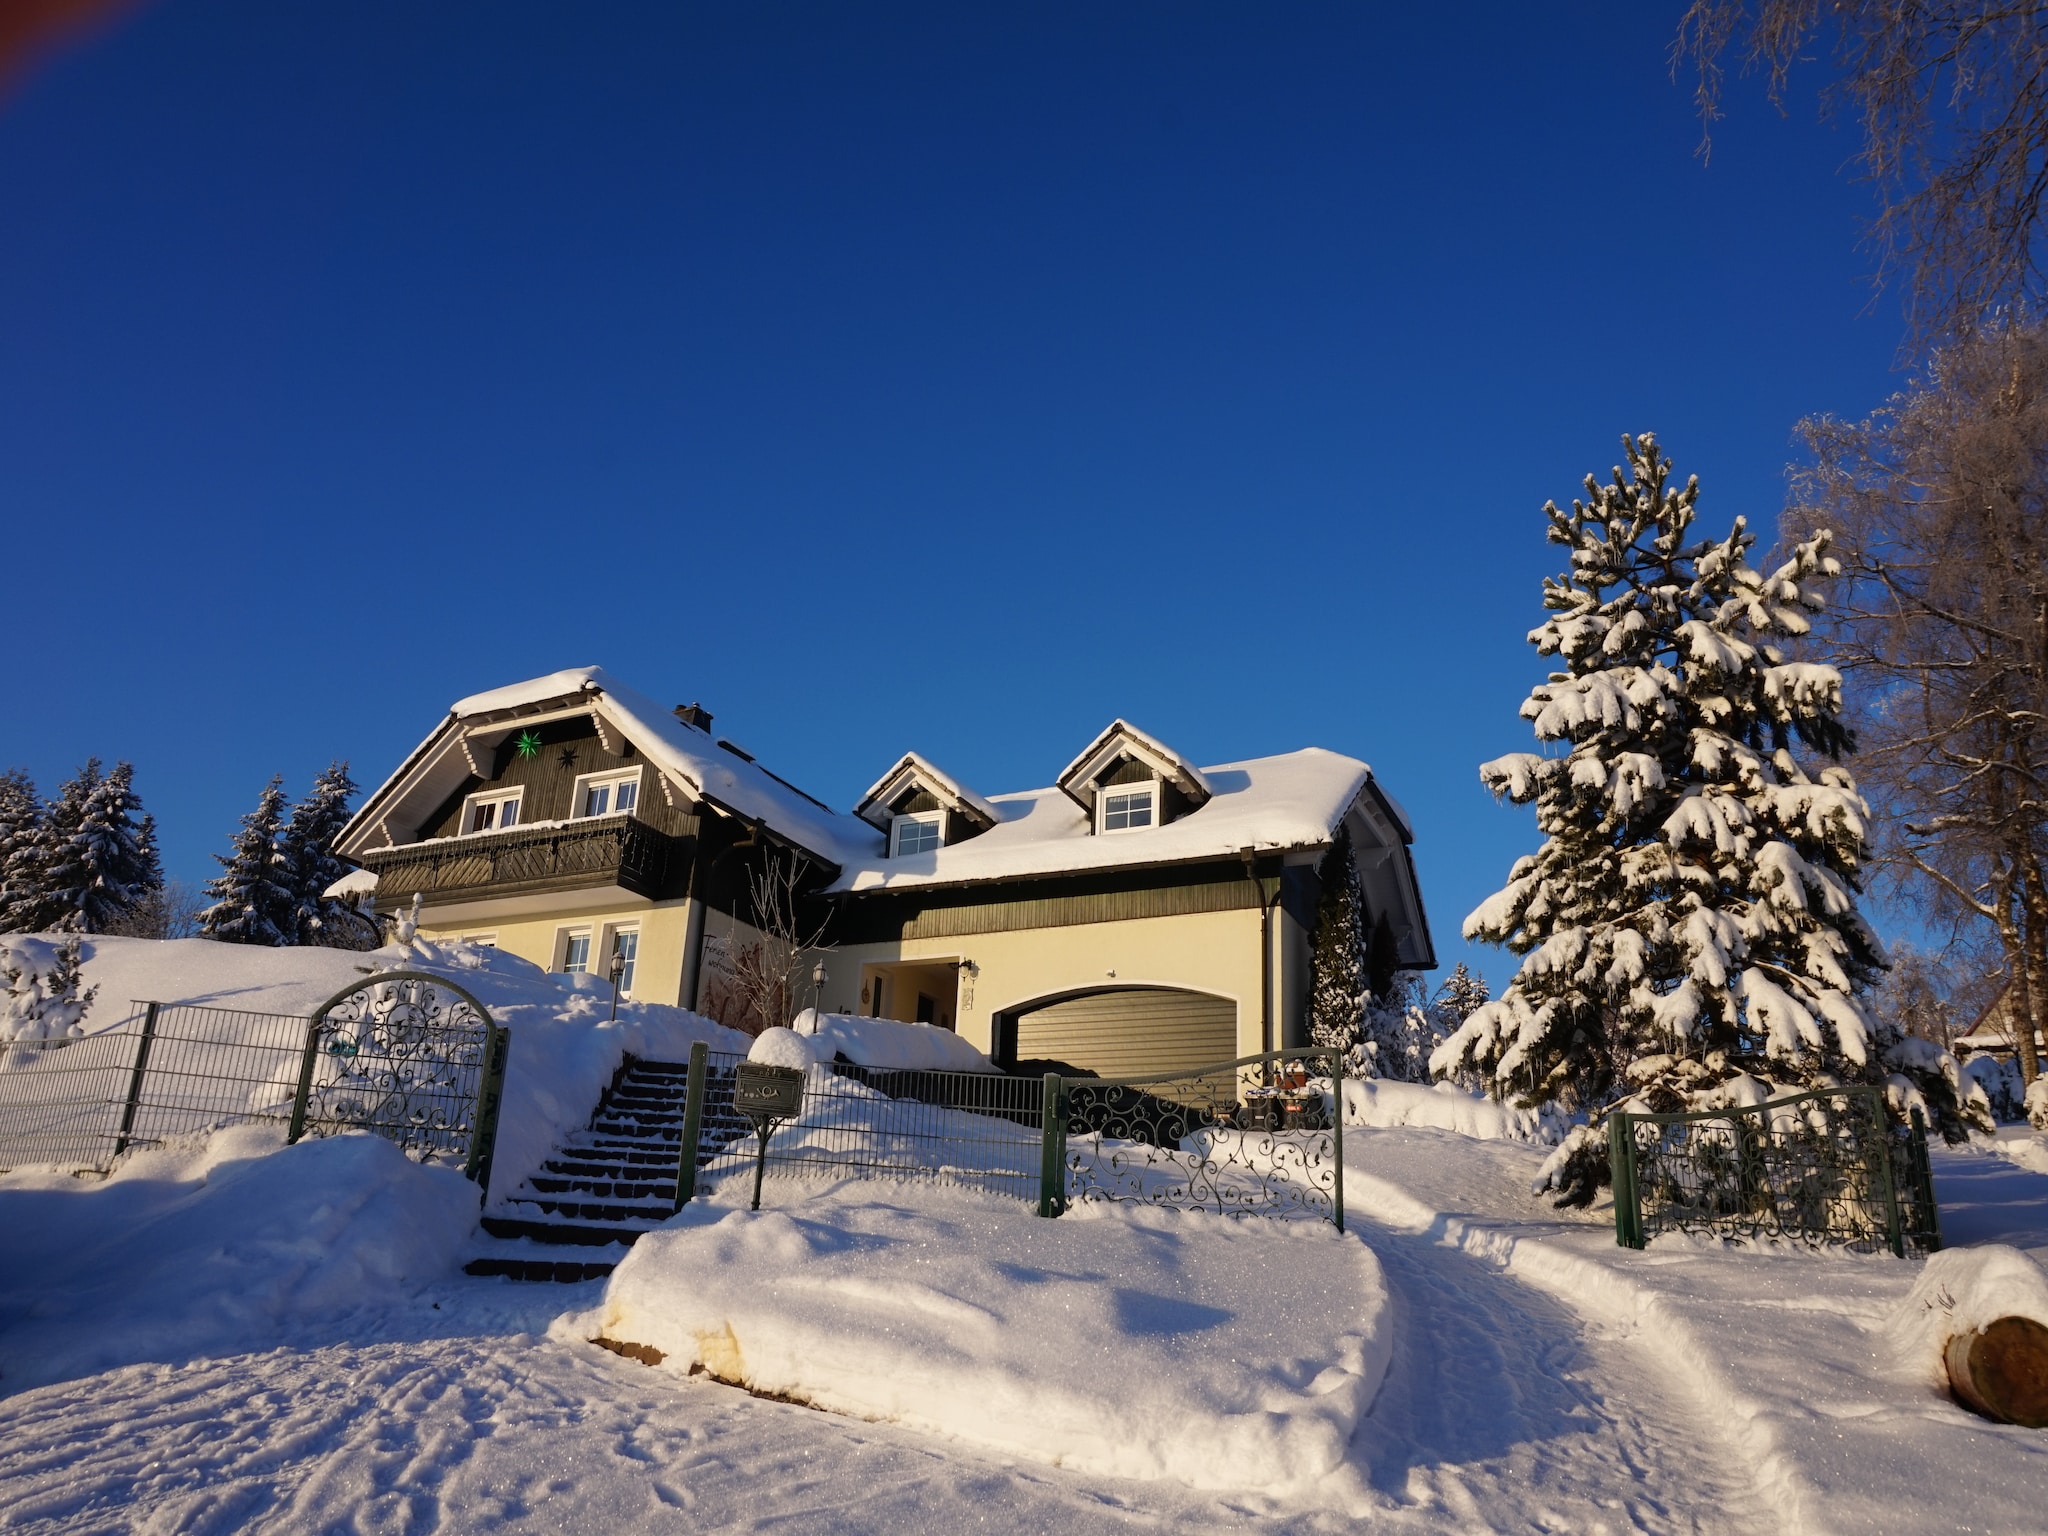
x: 2001, y: 1370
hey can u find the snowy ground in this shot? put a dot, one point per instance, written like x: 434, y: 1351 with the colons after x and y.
x: 1540, y: 1379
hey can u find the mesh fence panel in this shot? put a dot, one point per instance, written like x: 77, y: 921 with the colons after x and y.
x: 976, y: 1130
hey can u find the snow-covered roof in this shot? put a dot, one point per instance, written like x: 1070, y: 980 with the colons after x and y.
x: 1120, y: 738
x: 914, y: 768
x: 1265, y: 803
x: 686, y: 755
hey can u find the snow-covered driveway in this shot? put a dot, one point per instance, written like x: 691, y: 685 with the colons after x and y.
x: 1540, y: 1380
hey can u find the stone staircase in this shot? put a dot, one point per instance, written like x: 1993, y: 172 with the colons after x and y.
x: 608, y: 1183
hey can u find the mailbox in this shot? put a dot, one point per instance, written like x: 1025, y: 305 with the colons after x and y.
x: 762, y: 1092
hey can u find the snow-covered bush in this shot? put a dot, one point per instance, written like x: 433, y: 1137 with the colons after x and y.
x: 1691, y: 916
x: 40, y: 999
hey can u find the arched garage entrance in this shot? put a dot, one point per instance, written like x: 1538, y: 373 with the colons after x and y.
x: 1122, y: 1031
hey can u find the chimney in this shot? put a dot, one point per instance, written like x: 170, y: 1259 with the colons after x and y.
x: 695, y: 714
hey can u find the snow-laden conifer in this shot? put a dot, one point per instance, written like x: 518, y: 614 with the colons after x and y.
x: 1338, y: 992
x: 308, y: 841
x: 105, y: 863
x: 42, y: 895
x: 253, y: 898
x: 1461, y: 995
x: 1691, y: 918
x: 21, y: 851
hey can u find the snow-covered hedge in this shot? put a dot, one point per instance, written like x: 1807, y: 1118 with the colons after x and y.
x: 1378, y: 1102
x: 1225, y: 1354
x: 888, y: 1043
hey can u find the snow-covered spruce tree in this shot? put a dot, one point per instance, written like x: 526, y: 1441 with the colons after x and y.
x: 1462, y: 995
x: 1337, y: 984
x: 45, y: 904
x: 39, y: 995
x: 253, y: 900
x: 106, y: 863
x: 1689, y: 927
x: 21, y: 851
x: 310, y: 860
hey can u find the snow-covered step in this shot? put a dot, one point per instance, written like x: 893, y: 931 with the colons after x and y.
x: 607, y: 1183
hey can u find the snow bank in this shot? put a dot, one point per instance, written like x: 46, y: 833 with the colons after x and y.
x: 889, y: 1043
x: 1959, y: 1291
x: 1131, y: 1342
x: 217, y: 1247
x: 1444, y: 1107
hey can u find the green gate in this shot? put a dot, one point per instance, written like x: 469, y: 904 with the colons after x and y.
x: 1821, y: 1167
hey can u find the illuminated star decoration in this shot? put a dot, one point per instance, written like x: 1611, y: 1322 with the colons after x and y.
x: 528, y: 744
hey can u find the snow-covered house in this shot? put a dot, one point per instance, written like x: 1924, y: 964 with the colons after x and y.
x: 1139, y: 914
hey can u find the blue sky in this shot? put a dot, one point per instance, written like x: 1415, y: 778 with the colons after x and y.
x: 883, y: 376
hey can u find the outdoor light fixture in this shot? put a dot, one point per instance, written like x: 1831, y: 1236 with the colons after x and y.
x: 818, y: 981
x: 618, y: 970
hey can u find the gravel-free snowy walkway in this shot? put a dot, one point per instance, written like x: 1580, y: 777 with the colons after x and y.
x: 1540, y: 1380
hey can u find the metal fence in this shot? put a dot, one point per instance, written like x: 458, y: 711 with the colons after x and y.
x: 1254, y: 1136
x: 410, y: 1056
x: 1824, y: 1168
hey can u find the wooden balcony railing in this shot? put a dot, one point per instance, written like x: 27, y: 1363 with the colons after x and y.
x: 605, y: 850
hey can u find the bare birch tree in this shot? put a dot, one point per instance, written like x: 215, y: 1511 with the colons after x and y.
x: 1940, y: 506
x: 1952, y: 100
x: 758, y: 983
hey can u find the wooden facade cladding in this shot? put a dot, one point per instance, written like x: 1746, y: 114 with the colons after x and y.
x: 604, y: 850
x: 1110, y: 897
x: 548, y: 781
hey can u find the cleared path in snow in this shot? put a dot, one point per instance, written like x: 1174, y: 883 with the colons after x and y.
x: 1504, y: 1408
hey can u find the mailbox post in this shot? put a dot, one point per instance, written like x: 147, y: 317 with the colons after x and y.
x: 767, y: 1096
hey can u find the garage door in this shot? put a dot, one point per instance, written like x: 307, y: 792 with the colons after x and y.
x: 1131, y: 1033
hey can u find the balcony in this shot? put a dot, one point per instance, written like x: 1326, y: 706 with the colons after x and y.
x: 561, y: 856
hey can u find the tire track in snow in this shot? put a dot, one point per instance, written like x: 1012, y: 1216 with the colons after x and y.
x: 1668, y: 1420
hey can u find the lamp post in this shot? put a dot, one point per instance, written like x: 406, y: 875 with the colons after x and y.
x: 618, y: 970
x: 818, y: 988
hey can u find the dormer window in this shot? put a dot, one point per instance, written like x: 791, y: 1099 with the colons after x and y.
x: 916, y: 832
x: 606, y: 794
x: 489, y: 810
x: 1128, y: 807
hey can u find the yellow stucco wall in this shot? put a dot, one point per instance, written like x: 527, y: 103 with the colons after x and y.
x: 1214, y: 952
x: 536, y: 936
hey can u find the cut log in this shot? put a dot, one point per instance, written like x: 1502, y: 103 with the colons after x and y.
x: 2001, y: 1370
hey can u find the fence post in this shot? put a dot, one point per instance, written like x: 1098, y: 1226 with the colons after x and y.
x: 693, y: 1124
x: 1894, y: 1228
x: 1337, y: 1133
x: 1923, y: 1182
x: 311, y: 1055
x: 1052, y: 1157
x: 483, y: 1134
x: 134, y: 1099
x: 1621, y: 1161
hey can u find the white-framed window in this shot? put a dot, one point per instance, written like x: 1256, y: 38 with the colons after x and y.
x: 481, y: 940
x: 1126, y: 807
x: 489, y: 809
x: 574, y: 948
x: 606, y: 794
x: 625, y: 948
x: 916, y: 832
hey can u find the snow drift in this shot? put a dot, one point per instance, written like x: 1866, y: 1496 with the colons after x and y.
x: 217, y: 1247
x: 1131, y: 1342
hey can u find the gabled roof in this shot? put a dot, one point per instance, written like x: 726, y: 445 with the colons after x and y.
x: 1265, y: 804
x: 913, y: 770
x: 1122, y: 739
x: 692, y: 765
